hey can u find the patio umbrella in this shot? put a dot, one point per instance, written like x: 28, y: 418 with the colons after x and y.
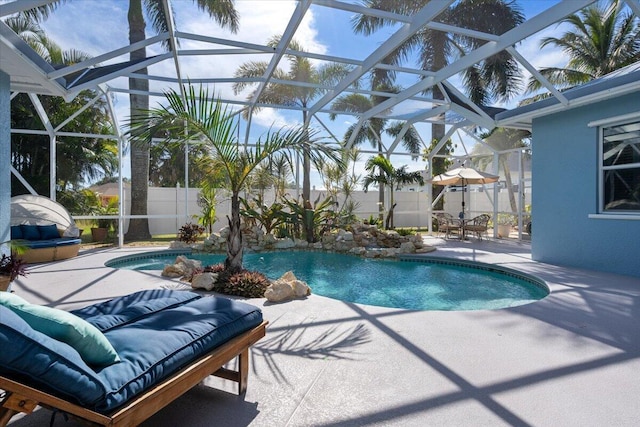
x: 463, y: 176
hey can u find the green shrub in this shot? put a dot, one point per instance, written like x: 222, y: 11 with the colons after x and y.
x: 246, y: 283
x: 405, y: 231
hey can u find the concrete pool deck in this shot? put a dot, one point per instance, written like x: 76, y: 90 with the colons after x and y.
x: 572, y: 359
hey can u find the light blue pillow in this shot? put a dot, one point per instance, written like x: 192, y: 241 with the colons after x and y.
x: 86, y: 339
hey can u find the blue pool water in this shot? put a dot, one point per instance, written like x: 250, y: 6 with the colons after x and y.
x: 427, y: 284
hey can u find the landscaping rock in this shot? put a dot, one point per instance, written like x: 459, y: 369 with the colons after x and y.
x: 287, y: 287
x: 204, y: 281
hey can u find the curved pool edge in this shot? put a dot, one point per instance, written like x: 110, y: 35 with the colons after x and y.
x: 531, y: 280
x: 527, y: 277
x: 114, y: 262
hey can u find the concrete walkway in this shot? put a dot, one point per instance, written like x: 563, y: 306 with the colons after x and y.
x: 572, y: 359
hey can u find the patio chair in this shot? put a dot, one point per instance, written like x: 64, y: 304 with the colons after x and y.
x: 447, y: 224
x: 478, y: 225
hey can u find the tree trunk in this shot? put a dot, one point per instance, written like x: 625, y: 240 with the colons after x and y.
x: 380, y: 188
x: 139, y: 152
x: 438, y: 165
x: 306, y: 184
x: 509, y: 182
x: 233, y: 263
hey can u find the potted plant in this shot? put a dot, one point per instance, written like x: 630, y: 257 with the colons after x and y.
x: 11, y: 266
x: 109, y: 207
x: 505, y: 222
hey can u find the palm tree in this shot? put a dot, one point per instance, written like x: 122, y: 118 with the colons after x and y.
x: 373, y: 128
x: 198, y: 120
x: 382, y: 173
x: 495, y: 77
x: 601, y: 40
x: 301, y: 70
x: 224, y: 13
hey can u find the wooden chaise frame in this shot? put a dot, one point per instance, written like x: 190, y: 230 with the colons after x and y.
x: 22, y: 398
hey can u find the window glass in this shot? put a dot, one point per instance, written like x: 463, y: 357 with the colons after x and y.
x: 621, y: 167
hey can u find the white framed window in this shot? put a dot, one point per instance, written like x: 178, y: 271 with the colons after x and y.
x: 619, y: 169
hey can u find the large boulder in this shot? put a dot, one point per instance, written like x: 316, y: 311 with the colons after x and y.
x: 182, y: 267
x: 284, y: 244
x: 204, y: 281
x: 287, y: 287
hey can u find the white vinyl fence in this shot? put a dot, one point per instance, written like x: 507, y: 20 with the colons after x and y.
x: 170, y: 208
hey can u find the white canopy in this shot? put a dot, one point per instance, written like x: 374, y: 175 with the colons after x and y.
x: 40, y: 210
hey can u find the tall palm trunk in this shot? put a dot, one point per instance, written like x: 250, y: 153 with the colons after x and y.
x: 509, y: 182
x: 138, y: 227
x: 438, y: 165
x: 233, y: 262
x: 306, y: 186
x: 380, y: 188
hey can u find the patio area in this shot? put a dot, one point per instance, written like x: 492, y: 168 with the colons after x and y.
x: 571, y: 359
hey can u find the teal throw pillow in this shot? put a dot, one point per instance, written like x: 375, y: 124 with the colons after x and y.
x: 86, y: 339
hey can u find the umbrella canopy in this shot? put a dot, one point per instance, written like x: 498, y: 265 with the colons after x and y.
x: 464, y: 176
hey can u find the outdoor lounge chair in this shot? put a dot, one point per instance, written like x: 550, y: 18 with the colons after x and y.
x: 123, y: 359
x: 447, y: 224
x: 478, y: 225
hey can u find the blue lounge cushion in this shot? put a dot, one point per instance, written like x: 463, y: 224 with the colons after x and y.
x: 31, y: 356
x: 50, y: 243
x: 155, y: 332
x: 48, y: 232
x: 16, y: 232
x: 163, y: 343
x: 30, y: 232
x: 88, y: 341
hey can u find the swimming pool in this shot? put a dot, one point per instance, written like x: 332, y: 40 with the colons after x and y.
x: 417, y: 283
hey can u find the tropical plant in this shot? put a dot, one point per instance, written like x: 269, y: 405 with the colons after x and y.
x: 373, y: 128
x: 382, y: 173
x: 199, y: 120
x: 268, y: 216
x: 301, y: 69
x: 602, y: 38
x: 321, y: 215
x: 495, y: 77
x: 207, y: 204
x: 338, y: 180
x: 190, y: 232
x: 11, y: 264
x: 244, y: 283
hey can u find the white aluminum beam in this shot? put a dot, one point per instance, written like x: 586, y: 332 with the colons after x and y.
x: 535, y: 73
x: 524, y: 30
x: 426, y: 14
x: 18, y: 6
x: 96, y: 60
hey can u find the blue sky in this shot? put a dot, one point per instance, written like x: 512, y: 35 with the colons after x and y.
x: 99, y: 26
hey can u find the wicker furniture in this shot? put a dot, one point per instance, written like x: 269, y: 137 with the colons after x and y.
x: 478, y: 225
x: 447, y: 224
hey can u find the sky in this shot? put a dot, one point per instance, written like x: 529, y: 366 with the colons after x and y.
x: 99, y: 26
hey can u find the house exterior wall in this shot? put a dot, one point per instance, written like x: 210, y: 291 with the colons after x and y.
x: 565, y: 192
